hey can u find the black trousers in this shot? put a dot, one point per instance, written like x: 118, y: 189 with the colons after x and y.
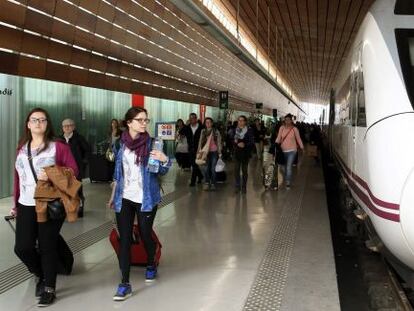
x: 240, y: 163
x: 196, y: 172
x: 43, y: 263
x: 125, y: 221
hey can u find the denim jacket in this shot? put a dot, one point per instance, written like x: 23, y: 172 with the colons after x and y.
x: 151, y: 192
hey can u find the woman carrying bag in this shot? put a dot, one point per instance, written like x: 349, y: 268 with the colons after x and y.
x: 37, y: 150
x: 136, y: 192
x: 208, y: 153
x: 288, y: 139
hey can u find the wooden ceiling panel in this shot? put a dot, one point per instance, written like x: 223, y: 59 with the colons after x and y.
x: 315, y: 34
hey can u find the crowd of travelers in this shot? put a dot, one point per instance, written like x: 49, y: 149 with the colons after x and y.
x: 49, y: 170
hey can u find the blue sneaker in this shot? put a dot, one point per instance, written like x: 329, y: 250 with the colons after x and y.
x: 124, y: 292
x: 150, y: 273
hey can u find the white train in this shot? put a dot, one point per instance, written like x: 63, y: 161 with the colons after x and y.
x: 372, y: 124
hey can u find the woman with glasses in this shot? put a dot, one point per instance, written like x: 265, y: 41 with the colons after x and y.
x: 38, y: 144
x: 136, y: 191
x: 243, y: 147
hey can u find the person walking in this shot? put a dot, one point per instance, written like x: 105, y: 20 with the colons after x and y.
x: 193, y: 131
x: 136, y: 192
x: 243, y: 147
x: 181, y: 146
x: 37, y: 150
x: 211, y: 136
x: 259, y: 132
x: 289, y: 140
x: 80, y: 150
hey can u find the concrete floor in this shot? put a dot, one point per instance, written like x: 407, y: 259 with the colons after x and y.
x: 213, y: 246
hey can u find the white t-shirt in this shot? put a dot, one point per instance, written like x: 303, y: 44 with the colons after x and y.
x: 133, y: 186
x: 26, y: 179
x: 194, y: 128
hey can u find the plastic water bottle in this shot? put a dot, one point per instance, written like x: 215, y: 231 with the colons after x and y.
x: 153, y: 164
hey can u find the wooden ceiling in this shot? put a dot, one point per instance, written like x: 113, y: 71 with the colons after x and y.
x: 314, y: 36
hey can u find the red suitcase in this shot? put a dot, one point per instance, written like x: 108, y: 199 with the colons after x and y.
x: 138, y: 252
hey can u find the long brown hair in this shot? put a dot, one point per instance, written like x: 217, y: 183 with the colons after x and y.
x: 49, y: 135
x: 118, y: 128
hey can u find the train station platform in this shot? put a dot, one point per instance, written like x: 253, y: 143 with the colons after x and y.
x: 267, y: 250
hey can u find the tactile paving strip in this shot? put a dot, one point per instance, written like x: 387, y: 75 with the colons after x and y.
x: 266, y: 293
x: 18, y: 274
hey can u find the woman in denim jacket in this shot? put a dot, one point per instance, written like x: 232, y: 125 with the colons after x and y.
x: 136, y: 191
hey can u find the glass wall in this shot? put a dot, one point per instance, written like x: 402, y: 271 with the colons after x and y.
x: 91, y: 109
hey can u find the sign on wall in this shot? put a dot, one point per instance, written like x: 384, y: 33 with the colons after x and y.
x: 165, y: 130
x: 224, y: 100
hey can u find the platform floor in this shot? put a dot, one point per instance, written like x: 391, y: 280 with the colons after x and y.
x: 266, y: 250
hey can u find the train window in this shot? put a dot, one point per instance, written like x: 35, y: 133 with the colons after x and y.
x: 404, y: 7
x: 361, y: 116
x: 405, y: 42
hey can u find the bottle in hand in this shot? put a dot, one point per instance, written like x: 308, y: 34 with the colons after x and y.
x: 153, y: 164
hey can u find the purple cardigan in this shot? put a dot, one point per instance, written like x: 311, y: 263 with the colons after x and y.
x: 64, y: 158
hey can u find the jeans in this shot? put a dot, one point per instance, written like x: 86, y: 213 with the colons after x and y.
x: 210, y: 169
x: 259, y: 149
x: 125, y: 222
x: 243, y: 165
x: 290, y: 158
x: 28, y: 231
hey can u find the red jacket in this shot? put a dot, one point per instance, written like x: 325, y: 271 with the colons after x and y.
x: 64, y: 158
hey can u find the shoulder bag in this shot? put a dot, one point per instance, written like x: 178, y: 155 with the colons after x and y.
x: 55, y: 208
x: 280, y: 157
x: 202, y: 155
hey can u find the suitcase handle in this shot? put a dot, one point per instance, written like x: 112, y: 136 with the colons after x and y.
x: 9, y: 219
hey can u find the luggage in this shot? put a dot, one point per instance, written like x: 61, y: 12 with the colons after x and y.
x: 99, y: 170
x: 312, y: 151
x: 138, y: 252
x: 221, y: 177
x: 66, y: 259
x: 270, y: 176
x: 183, y: 160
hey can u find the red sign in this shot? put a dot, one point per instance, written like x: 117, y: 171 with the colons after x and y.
x: 137, y: 100
x: 202, y: 112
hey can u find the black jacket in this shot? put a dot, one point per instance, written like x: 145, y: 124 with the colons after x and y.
x: 192, y: 139
x: 80, y: 150
x: 257, y: 133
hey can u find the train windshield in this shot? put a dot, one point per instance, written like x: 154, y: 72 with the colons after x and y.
x: 404, y: 7
x: 405, y: 42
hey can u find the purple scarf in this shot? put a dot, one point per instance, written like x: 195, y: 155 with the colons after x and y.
x: 139, y: 145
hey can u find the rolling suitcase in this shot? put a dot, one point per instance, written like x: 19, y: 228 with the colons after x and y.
x: 66, y: 259
x: 99, y: 168
x: 138, y: 253
x: 270, y: 176
x: 221, y: 177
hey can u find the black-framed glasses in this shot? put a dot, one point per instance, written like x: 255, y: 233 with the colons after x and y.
x: 142, y: 121
x: 38, y: 120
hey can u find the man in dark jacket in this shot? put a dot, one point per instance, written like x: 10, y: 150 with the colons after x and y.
x: 192, y: 132
x: 80, y: 150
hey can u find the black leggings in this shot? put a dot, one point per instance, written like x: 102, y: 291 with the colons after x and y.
x: 125, y: 220
x: 242, y: 164
x: 28, y: 231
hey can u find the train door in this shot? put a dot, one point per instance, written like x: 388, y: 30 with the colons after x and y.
x: 357, y: 108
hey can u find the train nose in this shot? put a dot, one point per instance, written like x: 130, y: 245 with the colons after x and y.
x: 407, y: 210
